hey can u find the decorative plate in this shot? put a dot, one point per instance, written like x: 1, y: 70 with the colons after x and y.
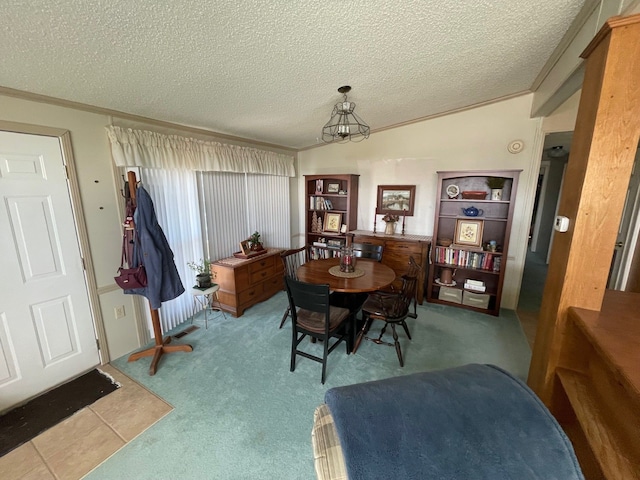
x: 452, y: 284
x: 453, y: 191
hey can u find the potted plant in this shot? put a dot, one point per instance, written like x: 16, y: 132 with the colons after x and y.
x: 254, y: 240
x: 496, y: 184
x: 203, y: 272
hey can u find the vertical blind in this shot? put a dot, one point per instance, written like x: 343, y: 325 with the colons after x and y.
x: 269, y: 209
x: 237, y: 205
x: 224, y: 203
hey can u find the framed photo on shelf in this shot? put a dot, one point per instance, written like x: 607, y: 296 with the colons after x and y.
x: 245, y: 247
x: 468, y: 232
x: 333, y: 187
x: 332, y: 222
x: 319, y: 186
x: 396, y: 199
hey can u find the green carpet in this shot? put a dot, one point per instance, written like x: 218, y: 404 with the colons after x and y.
x: 240, y: 414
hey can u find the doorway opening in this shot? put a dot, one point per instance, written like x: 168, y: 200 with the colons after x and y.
x: 554, y: 160
x: 625, y: 263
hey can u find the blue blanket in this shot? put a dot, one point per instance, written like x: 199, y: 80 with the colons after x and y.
x: 471, y: 422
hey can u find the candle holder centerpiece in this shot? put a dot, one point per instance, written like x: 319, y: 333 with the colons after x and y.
x: 347, y: 260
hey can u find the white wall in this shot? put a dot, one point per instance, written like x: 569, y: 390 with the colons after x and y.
x: 475, y: 139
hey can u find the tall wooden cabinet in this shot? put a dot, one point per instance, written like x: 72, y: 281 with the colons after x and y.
x: 331, y: 212
x: 471, y: 239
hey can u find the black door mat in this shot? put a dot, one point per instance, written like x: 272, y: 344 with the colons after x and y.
x: 27, y: 421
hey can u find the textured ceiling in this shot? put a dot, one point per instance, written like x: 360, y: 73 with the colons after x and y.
x: 269, y: 70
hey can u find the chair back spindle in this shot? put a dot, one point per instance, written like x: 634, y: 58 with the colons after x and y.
x: 368, y: 250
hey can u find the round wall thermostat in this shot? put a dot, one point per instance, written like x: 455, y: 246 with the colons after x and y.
x: 516, y: 146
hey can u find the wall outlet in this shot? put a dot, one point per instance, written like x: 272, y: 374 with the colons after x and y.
x: 119, y: 311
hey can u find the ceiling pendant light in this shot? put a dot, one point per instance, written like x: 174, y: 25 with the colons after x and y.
x: 557, y: 152
x: 344, y: 125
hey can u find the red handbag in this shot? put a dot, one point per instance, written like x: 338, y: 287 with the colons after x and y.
x: 130, y: 278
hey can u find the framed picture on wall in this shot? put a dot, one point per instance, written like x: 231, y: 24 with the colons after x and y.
x: 396, y: 199
x: 468, y: 232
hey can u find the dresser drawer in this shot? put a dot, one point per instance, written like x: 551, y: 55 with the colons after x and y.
x: 403, y: 247
x: 262, y: 264
x: 260, y: 275
x: 248, y: 295
x: 400, y: 263
x: 365, y: 239
x: 273, y: 285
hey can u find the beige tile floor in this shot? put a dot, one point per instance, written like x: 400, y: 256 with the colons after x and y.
x: 74, y: 447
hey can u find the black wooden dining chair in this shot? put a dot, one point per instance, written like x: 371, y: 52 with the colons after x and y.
x: 313, y: 316
x: 292, y: 260
x: 393, y: 308
x: 368, y: 250
x: 355, y: 301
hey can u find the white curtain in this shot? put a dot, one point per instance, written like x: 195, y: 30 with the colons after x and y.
x: 175, y: 198
x: 143, y: 148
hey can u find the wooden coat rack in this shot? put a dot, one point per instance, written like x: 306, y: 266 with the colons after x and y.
x: 161, y: 345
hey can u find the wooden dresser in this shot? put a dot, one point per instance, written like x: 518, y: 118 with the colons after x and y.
x: 397, y: 250
x: 244, y: 283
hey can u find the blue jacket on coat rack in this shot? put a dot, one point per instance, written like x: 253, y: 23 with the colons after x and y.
x: 163, y: 281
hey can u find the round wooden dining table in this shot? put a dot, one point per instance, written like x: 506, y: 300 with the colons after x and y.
x: 376, y: 275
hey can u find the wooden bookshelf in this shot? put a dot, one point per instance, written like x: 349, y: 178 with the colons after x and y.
x: 335, y: 195
x: 474, y: 263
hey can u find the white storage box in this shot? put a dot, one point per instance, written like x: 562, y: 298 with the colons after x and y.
x: 478, y: 300
x: 449, y: 294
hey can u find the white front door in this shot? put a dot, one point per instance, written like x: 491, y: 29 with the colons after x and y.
x: 46, y: 328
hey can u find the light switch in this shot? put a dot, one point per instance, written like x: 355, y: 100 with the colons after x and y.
x: 561, y: 224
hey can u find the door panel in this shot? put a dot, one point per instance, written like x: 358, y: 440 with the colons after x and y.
x: 37, y: 248
x: 46, y: 327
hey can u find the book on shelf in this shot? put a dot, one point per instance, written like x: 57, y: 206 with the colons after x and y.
x: 320, y: 242
x: 475, y: 288
x: 318, y: 253
x: 478, y: 283
x: 467, y: 258
x: 319, y: 203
